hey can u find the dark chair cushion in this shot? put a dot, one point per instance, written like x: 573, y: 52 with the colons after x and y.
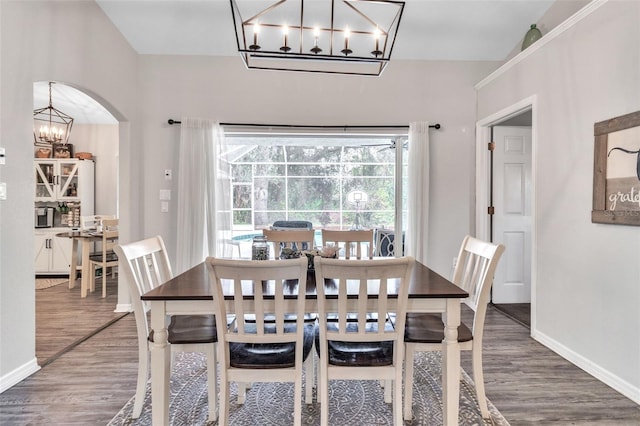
x: 191, y: 329
x: 363, y: 354
x: 111, y: 257
x: 429, y: 328
x: 292, y: 224
x: 276, y: 355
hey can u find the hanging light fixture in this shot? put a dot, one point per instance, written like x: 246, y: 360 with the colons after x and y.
x: 323, y: 36
x: 50, y: 125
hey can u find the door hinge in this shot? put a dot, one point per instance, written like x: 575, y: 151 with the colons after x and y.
x: 491, y: 146
x: 491, y: 210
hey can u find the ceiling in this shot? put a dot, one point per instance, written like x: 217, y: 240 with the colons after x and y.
x: 82, y: 108
x: 474, y: 30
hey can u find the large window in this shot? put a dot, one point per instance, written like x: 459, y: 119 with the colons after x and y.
x: 333, y: 182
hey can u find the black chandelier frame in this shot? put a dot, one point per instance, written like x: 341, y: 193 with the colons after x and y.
x: 50, y: 116
x: 305, y: 54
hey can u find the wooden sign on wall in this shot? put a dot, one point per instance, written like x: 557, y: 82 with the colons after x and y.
x: 616, y: 171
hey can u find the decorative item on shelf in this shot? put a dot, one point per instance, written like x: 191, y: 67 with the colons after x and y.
x: 72, y: 191
x: 70, y: 214
x: 43, y: 153
x: 84, y: 155
x: 259, y: 248
x: 289, y: 253
x: 62, y: 150
x: 50, y: 125
x: 353, y: 37
x: 327, y: 251
x: 531, y: 37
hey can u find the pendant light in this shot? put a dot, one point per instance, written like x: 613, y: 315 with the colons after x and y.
x: 50, y: 125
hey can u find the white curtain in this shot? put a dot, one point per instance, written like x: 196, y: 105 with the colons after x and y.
x: 418, y: 192
x: 203, y: 207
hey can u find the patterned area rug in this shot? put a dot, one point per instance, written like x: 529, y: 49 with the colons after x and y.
x: 352, y: 402
x: 42, y: 283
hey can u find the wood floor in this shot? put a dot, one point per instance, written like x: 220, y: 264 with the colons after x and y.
x: 528, y: 383
x: 63, y: 318
x: 520, y: 312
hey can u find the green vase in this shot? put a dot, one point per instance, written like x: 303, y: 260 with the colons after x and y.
x: 531, y: 37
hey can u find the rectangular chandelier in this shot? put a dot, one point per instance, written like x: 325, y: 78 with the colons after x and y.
x: 353, y: 37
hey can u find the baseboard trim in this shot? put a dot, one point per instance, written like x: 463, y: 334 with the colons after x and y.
x: 123, y: 307
x: 18, y: 375
x: 605, y: 376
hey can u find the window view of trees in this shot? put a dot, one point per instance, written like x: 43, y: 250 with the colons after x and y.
x: 329, y: 181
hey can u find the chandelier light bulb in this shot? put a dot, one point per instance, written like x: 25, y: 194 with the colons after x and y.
x: 256, y: 31
x: 285, y: 32
x: 346, y: 51
x: 376, y: 35
x: 316, y: 34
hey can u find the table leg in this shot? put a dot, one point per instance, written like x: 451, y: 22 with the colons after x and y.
x: 451, y: 363
x: 160, y: 365
x: 74, y: 263
x: 86, y: 267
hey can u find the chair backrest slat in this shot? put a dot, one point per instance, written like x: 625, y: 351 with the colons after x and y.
x: 146, y: 266
x: 356, y: 280
x: 294, y: 239
x: 267, y: 283
x: 474, y: 272
x: 92, y: 221
x: 350, y: 241
x: 110, y: 234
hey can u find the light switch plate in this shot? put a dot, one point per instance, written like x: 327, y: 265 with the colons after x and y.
x: 2, y: 156
x: 164, y: 207
x: 167, y: 174
x: 3, y: 191
x: 165, y: 194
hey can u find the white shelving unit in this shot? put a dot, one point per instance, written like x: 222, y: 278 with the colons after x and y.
x: 69, y: 181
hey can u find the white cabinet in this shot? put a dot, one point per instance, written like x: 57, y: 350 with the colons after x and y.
x: 69, y: 182
x: 52, y: 254
x: 64, y: 180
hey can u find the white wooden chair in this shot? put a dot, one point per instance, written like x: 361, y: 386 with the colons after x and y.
x: 350, y: 241
x: 271, y: 347
x: 105, y: 258
x: 91, y: 222
x: 475, y: 268
x: 146, y: 265
x: 294, y: 239
x: 352, y: 346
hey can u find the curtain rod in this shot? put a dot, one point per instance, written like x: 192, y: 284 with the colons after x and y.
x: 436, y: 126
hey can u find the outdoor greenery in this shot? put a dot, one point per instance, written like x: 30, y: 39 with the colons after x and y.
x: 310, y: 178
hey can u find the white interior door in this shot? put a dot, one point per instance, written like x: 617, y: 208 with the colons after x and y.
x: 512, y: 217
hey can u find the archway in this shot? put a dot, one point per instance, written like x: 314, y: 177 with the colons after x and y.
x: 96, y: 130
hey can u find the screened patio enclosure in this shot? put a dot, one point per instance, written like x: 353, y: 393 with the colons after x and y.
x: 340, y: 182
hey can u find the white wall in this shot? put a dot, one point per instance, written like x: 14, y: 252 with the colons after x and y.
x: 71, y: 42
x: 102, y: 141
x: 222, y: 89
x: 588, y: 275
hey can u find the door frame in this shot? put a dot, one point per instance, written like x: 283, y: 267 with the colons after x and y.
x: 483, y: 179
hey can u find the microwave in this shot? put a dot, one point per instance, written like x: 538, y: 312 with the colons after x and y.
x: 44, y: 217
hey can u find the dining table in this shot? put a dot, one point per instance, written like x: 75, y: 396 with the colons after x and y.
x: 85, y: 237
x: 190, y: 293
